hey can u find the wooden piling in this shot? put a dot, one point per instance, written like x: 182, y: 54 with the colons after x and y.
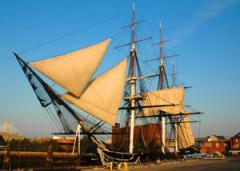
x: 7, y: 159
x: 49, y: 157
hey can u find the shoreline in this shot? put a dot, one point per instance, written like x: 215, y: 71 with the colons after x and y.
x: 179, y: 165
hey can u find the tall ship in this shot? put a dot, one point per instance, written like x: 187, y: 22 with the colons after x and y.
x: 115, y: 105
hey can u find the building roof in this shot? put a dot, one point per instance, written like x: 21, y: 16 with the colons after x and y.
x: 8, y: 128
x: 237, y: 136
x: 217, y: 138
x: 9, y: 132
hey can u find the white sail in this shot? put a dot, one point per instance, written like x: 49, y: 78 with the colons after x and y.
x: 173, y: 96
x: 103, y: 95
x: 185, y: 135
x: 73, y: 70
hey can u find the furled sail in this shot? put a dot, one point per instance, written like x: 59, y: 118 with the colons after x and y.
x: 73, y: 70
x: 173, y: 96
x: 184, y: 133
x: 103, y: 95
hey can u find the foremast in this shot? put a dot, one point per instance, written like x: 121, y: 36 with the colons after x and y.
x: 132, y: 80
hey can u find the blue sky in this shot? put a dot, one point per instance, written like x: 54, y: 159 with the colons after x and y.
x: 205, y: 33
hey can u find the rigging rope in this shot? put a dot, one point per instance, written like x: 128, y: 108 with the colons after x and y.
x: 72, y: 33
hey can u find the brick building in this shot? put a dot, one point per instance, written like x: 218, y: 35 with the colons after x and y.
x: 235, y: 145
x: 215, y: 144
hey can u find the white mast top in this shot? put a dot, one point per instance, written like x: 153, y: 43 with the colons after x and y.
x: 161, y: 45
x: 133, y: 26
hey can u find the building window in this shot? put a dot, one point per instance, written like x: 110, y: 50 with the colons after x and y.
x: 217, y: 145
x: 208, y: 145
x: 235, y: 146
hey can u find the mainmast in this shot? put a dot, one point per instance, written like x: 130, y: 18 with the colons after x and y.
x: 161, y: 68
x: 132, y: 81
x: 162, y: 77
x: 173, y: 76
x: 161, y: 86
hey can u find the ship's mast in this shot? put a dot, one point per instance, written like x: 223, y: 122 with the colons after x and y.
x: 175, y: 125
x: 161, y: 86
x: 132, y: 81
x: 173, y: 76
x: 161, y: 68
